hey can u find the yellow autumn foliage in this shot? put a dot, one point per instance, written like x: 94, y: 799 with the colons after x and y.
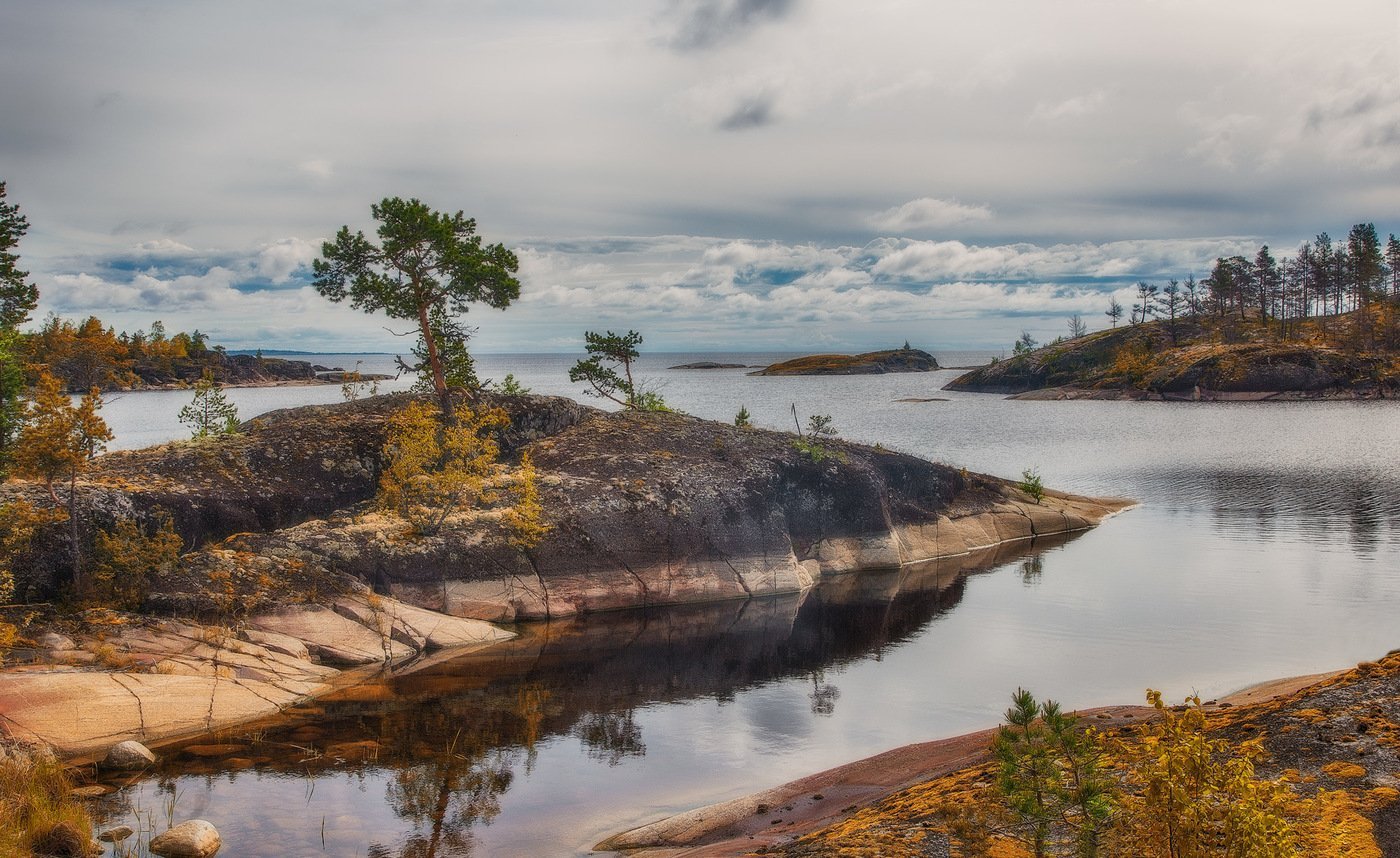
x: 1196, y: 796
x: 434, y: 469
x: 126, y: 558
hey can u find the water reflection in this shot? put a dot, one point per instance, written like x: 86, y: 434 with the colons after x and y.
x: 1296, y: 505
x: 449, y: 741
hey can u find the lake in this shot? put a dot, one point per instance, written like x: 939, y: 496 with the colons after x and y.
x: 1265, y: 546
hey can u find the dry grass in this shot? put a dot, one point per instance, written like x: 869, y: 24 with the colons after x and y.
x: 35, y: 806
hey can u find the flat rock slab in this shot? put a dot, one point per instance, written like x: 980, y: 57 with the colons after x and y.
x: 428, y: 629
x: 332, y: 637
x: 82, y: 713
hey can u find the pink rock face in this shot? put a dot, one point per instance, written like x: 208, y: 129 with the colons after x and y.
x: 193, y: 839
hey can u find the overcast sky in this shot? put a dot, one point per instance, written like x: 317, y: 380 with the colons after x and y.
x: 759, y: 174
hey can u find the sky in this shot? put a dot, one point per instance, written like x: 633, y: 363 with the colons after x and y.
x: 761, y: 175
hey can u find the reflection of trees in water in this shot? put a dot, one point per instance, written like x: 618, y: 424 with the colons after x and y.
x: 460, y: 769
x: 824, y: 695
x: 446, y: 797
x: 1032, y: 568
x: 1314, y: 506
x: 611, y: 736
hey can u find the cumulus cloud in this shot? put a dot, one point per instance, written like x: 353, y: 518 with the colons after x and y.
x: 928, y: 213
x: 281, y: 259
x: 165, y: 247
x: 702, y: 24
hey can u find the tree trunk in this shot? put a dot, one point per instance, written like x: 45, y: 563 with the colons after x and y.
x: 435, y: 365
x: 73, y: 532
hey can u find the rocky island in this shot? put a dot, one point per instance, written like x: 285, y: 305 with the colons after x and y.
x: 870, y: 363
x: 287, y: 548
x: 1190, y: 359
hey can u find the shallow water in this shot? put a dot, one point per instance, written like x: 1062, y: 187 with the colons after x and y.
x: 1265, y: 546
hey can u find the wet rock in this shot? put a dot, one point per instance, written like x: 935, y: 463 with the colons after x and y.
x: 195, y: 838
x: 128, y: 755
x: 116, y: 835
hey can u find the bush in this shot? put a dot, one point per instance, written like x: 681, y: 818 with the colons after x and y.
x: 127, y: 557
x: 1031, y: 485
x: 510, y: 387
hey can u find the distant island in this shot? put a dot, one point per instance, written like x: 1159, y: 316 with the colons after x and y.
x: 1195, y: 358
x: 904, y: 359
x: 709, y: 364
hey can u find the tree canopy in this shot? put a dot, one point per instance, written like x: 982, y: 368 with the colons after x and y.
x: 607, y: 353
x: 426, y: 266
x: 18, y: 297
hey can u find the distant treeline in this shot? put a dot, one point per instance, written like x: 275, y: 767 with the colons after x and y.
x: 90, y: 354
x: 1323, y: 281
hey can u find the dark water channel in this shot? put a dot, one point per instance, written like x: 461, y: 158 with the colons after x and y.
x: 1266, y: 545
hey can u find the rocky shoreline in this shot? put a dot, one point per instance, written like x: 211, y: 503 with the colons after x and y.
x: 1335, y: 731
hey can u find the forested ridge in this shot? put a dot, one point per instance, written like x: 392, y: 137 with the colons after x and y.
x: 89, y: 354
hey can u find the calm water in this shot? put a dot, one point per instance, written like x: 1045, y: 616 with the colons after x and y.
x: 1265, y: 546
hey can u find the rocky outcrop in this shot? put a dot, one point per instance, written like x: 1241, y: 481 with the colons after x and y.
x: 870, y: 363
x: 284, y: 467
x: 1329, y: 737
x: 660, y: 509
x: 642, y: 508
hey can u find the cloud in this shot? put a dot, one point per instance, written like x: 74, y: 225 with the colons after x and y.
x: 703, y: 24
x: 1070, y: 108
x: 279, y: 260
x: 928, y: 213
x: 753, y: 112
x: 317, y: 168
x: 1359, y: 125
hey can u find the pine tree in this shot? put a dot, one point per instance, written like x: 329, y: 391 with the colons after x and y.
x: 18, y: 298
x: 57, y: 441
x: 210, y: 413
x: 426, y: 267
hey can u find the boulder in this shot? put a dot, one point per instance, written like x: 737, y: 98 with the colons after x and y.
x: 129, y: 755
x: 194, y: 838
x: 116, y: 835
x: 54, y: 641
